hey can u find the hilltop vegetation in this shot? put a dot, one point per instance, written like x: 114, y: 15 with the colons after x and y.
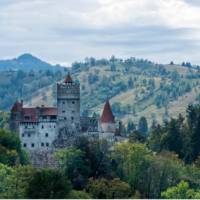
x: 135, y: 87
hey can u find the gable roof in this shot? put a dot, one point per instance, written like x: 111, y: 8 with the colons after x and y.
x: 107, y: 115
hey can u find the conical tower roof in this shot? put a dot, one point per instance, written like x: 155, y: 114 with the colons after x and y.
x: 107, y: 115
x: 68, y: 78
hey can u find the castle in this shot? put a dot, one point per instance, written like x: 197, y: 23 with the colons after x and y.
x: 45, y: 129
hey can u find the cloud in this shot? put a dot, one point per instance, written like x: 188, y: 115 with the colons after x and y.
x: 65, y: 31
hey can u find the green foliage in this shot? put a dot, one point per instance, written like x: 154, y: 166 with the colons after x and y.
x: 11, y: 152
x: 76, y: 194
x: 14, y: 181
x: 143, y: 126
x: 181, y: 191
x: 75, y: 166
x: 48, y: 184
x: 179, y: 135
x: 97, y: 155
x: 105, y: 189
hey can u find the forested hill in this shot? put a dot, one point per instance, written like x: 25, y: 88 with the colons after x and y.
x: 135, y: 87
x: 27, y: 62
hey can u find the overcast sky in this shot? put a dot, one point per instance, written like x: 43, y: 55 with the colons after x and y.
x: 62, y: 31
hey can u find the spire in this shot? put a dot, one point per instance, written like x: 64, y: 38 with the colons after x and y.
x: 107, y: 115
x: 68, y: 78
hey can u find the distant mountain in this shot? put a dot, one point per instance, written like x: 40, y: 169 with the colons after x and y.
x: 27, y: 62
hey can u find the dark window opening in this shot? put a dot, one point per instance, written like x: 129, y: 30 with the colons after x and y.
x: 42, y: 126
x: 47, y: 144
x: 42, y: 144
x: 46, y: 134
x: 29, y: 135
x: 27, y: 117
x: 72, y: 118
x: 63, y: 102
x: 22, y: 134
x: 73, y: 102
x: 24, y: 145
x: 63, y: 111
x: 65, y: 118
x: 32, y: 145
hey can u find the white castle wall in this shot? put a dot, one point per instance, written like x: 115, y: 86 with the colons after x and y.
x: 37, y: 135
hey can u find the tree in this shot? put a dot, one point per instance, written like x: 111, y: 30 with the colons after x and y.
x: 48, y: 184
x: 143, y: 126
x: 193, y: 121
x: 181, y: 191
x: 75, y: 166
x: 130, y: 126
x: 136, y: 136
x: 114, y: 189
x: 97, y: 155
x: 11, y: 152
x: 14, y: 181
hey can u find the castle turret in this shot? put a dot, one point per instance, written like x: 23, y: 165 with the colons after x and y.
x: 68, y: 104
x: 107, y: 119
x: 15, y: 116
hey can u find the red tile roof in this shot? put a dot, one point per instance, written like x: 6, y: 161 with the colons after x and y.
x: 17, y: 107
x: 32, y: 114
x: 48, y: 111
x: 107, y: 115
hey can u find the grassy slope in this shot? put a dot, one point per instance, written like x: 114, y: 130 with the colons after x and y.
x: 143, y: 107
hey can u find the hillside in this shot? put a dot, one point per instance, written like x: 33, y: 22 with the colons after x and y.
x: 27, y: 62
x: 135, y: 88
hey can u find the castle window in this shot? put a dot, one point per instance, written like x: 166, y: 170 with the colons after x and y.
x: 32, y: 145
x: 65, y: 118
x: 73, y: 102
x: 46, y: 134
x: 26, y: 127
x: 22, y: 134
x: 29, y: 135
x: 72, y: 118
x: 47, y: 144
x: 63, y: 111
x: 42, y: 144
x: 24, y: 144
x: 73, y: 111
x: 42, y: 127
x: 63, y: 102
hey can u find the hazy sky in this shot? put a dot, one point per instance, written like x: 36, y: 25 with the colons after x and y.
x: 62, y: 31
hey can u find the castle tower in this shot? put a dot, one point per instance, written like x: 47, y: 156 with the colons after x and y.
x: 15, y: 116
x: 68, y: 105
x: 107, y: 119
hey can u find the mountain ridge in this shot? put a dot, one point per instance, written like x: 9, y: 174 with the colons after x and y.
x: 27, y: 62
